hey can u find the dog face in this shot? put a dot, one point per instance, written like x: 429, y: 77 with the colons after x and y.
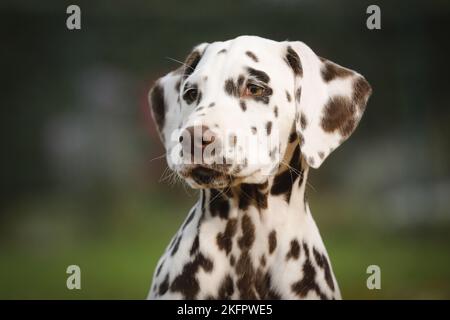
x: 228, y: 114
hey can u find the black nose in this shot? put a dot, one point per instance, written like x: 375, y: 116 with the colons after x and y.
x: 194, y: 139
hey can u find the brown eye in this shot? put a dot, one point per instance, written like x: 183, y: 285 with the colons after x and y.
x: 190, y: 95
x: 254, y: 90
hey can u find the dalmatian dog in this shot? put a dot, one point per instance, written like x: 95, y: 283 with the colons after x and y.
x: 251, y: 234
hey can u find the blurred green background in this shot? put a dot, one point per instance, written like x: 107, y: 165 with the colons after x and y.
x: 80, y: 168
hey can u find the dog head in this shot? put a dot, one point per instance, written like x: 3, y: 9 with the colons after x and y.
x: 227, y: 115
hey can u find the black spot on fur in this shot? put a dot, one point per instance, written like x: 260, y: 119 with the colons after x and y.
x: 177, y: 244
x: 159, y: 268
x: 189, y: 219
x: 222, y: 51
x: 164, y: 286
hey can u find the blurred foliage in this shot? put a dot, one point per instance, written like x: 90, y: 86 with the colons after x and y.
x: 82, y: 177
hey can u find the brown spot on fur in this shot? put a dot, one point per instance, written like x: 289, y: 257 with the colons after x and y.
x: 298, y: 94
x: 252, y: 194
x: 243, y: 105
x: 269, y: 127
x: 195, y: 246
x: 288, y: 96
x: 322, y: 262
x: 259, y: 75
x: 191, y: 63
x: 246, y: 276
x: 158, y: 106
x: 222, y: 51
x: 226, y: 289
x: 263, y: 286
x: 231, y: 88
x: 303, y: 121
x: 361, y: 92
x: 321, y: 154
x: 245, y: 242
x: 284, y: 181
x: 219, y: 204
x: 225, y: 240
x: 177, y: 86
x: 272, y: 241
x: 293, y: 60
x: 232, y: 260
x: 275, y: 111
x: 308, y: 282
x: 252, y: 56
x: 338, y: 114
x: 186, y: 282
x: 263, y: 260
x: 331, y: 71
x: 294, y: 251
x: 254, y: 130
x: 293, y: 136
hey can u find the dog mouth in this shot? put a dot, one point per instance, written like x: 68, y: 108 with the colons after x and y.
x: 207, y: 177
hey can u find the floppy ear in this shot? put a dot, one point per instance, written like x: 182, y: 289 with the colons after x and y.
x: 164, y: 96
x: 330, y: 101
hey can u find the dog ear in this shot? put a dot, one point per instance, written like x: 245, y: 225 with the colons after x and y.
x: 164, y: 96
x: 330, y: 101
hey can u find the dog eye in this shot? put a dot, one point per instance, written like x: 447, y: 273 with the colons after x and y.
x: 190, y: 94
x: 254, y: 90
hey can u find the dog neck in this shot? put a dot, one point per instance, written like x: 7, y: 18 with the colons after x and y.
x: 281, y: 194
